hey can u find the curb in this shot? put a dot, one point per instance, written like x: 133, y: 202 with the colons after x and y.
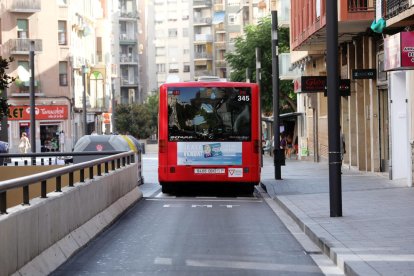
x: 343, y: 257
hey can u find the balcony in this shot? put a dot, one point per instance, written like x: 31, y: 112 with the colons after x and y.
x: 221, y: 46
x: 127, y: 81
x: 126, y: 14
x: 97, y: 105
x: 128, y: 59
x: 22, y: 89
x: 126, y: 38
x: 203, y: 55
x: 221, y: 64
x: 202, y: 21
x: 25, y: 6
x: 308, y: 22
x: 21, y: 46
x: 398, y: 13
x: 202, y: 4
x: 203, y: 38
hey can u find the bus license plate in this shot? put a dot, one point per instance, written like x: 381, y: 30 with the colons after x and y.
x: 209, y: 171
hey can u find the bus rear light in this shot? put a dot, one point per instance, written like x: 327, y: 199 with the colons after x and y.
x: 172, y: 169
x: 162, y: 147
x: 256, y: 146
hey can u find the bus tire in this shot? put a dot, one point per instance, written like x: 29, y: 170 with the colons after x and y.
x: 166, y: 188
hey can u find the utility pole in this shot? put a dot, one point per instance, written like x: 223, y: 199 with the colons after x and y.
x: 85, y: 123
x: 113, y: 106
x: 335, y: 193
x: 278, y: 153
x: 32, y: 99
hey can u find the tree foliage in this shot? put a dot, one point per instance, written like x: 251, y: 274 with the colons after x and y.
x: 5, y: 81
x: 138, y: 120
x: 244, y: 56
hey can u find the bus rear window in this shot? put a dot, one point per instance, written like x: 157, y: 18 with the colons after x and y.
x: 209, y: 113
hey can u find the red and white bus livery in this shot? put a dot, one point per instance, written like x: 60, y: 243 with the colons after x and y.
x: 209, y: 132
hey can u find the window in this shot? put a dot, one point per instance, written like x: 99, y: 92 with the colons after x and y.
x: 186, y: 67
x: 24, y: 64
x: 160, y: 68
x: 22, y: 28
x: 232, y: 19
x: 62, y: 32
x: 185, y: 32
x: 63, y: 73
x: 172, y: 33
x: 172, y: 15
x: 173, y: 68
x: 186, y: 51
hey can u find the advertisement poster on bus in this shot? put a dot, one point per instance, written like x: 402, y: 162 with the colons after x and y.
x: 209, y: 153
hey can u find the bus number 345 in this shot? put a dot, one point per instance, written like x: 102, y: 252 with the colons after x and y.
x: 244, y: 98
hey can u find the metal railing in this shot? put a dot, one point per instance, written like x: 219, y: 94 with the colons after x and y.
x: 117, y: 159
x: 395, y: 7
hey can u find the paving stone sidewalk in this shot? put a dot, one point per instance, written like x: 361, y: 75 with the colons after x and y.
x: 375, y: 235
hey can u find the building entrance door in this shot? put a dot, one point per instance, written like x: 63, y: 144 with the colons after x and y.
x: 384, y: 133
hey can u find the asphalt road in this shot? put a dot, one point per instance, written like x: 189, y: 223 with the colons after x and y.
x: 220, y: 234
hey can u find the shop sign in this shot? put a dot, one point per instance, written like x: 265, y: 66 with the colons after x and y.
x: 358, y: 74
x: 42, y: 112
x: 314, y: 84
x: 399, y: 52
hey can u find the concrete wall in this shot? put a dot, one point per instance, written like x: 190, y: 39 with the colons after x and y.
x: 36, y: 239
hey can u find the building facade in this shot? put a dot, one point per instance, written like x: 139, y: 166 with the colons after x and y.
x: 83, y: 64
x: 375, y: 117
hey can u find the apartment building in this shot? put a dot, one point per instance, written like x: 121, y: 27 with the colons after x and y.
x: 375, y: 112
x: 191, y: 37
x: 125, y: 52
x: 23, y: 22
x: 71, y: 49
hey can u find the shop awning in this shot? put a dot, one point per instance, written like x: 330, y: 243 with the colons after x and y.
x: 218, y: 17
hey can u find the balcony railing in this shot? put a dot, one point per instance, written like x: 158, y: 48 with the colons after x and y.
x: 395, y: 7
x: 203, y: 56
x: 206, y: 20
x: 202, y: 3
x: 22, y: 45
x: 127, y: 37
x: 203, y: 38
x: 361, y: 5
x: 25, y: 6
x: 129, y: 81
x: 128, y: 59
x: 129, y: 14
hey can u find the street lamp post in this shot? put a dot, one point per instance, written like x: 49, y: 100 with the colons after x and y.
x: 335, y: 193
x: 278, y: 153
x: 32, y: 99
x: 85, y: 124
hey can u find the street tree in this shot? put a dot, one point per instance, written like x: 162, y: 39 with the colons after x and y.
x: 244, y: 57
x: 138, y: 120
x: 5, y: 81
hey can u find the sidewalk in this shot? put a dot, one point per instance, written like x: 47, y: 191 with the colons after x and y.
x: 375, y: 235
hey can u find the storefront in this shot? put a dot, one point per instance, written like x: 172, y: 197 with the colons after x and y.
x: 49, y: 127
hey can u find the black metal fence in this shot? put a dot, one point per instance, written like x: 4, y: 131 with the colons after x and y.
x: 116, y: 158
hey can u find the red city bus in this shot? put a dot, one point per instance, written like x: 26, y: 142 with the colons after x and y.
x: 209, y: 132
